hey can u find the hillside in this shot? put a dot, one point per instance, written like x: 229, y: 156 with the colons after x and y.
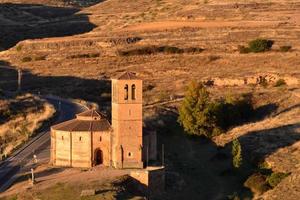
x: 77, y: 3
x: 20, y: 117
x: 72, y: 51
x: 218, y: 28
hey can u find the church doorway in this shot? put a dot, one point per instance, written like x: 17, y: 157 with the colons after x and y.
x: 98, y: 157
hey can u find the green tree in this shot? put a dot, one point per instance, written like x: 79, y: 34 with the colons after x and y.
x: 236, y: 152
x: 196, y: 113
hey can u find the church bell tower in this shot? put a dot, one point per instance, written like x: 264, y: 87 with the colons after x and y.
x: 127, y: 121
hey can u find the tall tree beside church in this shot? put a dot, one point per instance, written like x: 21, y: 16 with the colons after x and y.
x: 195, y: 112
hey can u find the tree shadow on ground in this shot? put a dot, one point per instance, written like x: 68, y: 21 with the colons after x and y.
x: 95, y: 90
x: 197, y: 168
x: 258, y: 145
x: 34, y: 21
x: 40, y: 174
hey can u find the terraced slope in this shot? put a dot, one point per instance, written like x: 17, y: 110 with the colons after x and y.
x: 216, y: 27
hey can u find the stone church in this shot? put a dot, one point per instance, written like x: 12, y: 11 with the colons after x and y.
x: 90, y: 139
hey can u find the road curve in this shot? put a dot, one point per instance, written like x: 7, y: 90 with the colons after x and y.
x: 39, y: 145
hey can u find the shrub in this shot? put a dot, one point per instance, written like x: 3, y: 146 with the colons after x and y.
x: 26, y: 59
x: 193, y: 50
x: 243, y: 49
x: 162, y: 96
x: 280, y: 82
x: 19, y: 48
x: 260, y: 45
x: 257, y: 183
x: 233, y: 196
x: 40, y: 58
x: 149, y: 50
x: 170, y: 49
x: 90, y: 55
x: 285, y: 48
x: 212, y: 58
x: 148, y: 87
x: 236, y: 152
x: 263, y: 165
x: 263, y: 81
x: 275, y: 178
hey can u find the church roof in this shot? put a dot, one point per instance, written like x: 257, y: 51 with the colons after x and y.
x: 88, y: 121
x: 128, y: 76
x: 90, y: 114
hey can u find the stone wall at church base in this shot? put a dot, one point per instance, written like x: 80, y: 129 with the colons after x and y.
x: 128, y: 165
x: 74, y: 163
x: 150, y: 180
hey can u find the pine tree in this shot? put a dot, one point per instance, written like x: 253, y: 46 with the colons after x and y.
x: 195, y: 111
x: 236, y: 153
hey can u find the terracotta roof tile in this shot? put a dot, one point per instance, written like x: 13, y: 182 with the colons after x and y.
x: 128, y: 76
x: 88, y: 121
x: 90, y: 114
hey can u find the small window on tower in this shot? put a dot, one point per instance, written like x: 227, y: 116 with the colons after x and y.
x: 133, y: 92
x: 129, y: 154
x: 62, y: 137
x: 126, y: 92
x: 100, y: 139
x: 80, y: 138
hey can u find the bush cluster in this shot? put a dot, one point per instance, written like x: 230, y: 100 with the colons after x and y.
x: 149, y: 50
x: 257, y: 183
x: 275, y: 178
x: 264, y: 179
x: 257, y: 46
x: 285, y: 48
x: 129, y: 40
x: 19, y: 48
x: 40, y: 58
x: 26, y: 59
x: 279, y: 82
x: 90, y: 55
x: 200, y: 115
x: 29, y: 59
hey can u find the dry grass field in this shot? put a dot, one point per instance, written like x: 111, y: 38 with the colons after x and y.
x: 71, y: 51
x: 56, y: 184
x: 20, y: 117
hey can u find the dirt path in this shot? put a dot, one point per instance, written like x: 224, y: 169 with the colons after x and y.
x: 163, y: 25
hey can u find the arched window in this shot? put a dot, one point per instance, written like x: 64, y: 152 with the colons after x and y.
x: 80, y: 138
x: 133, y: 92
x: 126, y: 92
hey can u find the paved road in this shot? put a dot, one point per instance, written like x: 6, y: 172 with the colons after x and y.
x: 40, y: 145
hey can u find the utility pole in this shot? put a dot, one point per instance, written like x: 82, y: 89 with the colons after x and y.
x: 19, y: 80
x: 59, y: 106
x: 163, y: 155
x: 147, y: 158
